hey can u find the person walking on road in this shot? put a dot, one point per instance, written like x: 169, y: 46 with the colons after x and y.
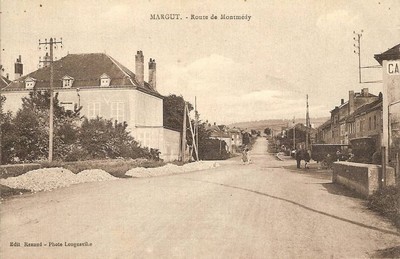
x: 245, y: 155
x: 298, y: 157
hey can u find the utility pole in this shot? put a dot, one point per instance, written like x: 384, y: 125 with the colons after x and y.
x: 357, y: 51
x: 294, y: 132
x: 308, y: 124
x: 357, y: 45
x: 52, y: 43
x: 196, y: 127
x: 193, y: 134
x: 183, y: 150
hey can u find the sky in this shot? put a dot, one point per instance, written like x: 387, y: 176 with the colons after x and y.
x: 238, y: 70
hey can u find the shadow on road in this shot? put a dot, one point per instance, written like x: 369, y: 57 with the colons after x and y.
x: 312, y: 171
x: 303, y: 207
x: 337, y: 189
x: 391, y: 252
x: 315, y: 172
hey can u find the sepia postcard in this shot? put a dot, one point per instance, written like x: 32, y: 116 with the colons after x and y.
x: 199, y: 129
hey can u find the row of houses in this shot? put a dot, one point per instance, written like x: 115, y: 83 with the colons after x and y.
x: 103, y: 87
x: 233, y: 137
x: 359, y: 116
x: 366, y: 115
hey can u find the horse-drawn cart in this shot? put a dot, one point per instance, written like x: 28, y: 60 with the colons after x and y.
x: 326, y: 154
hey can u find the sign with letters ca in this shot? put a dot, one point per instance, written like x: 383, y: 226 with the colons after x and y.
x: 393, y: 67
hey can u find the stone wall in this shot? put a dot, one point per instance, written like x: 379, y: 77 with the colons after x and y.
x: 362, y: 178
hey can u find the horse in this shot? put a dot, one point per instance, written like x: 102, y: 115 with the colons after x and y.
x: 302, y: 155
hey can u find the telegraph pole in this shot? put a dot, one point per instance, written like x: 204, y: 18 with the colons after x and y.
x: 196, y: 128
x: 184, y: 133
x: 357, y: 45
x: 308, y: 124
x: 357, y: 51
x: 294, y: 132
x: 52, y: 43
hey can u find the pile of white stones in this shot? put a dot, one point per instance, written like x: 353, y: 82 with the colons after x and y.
x: 47, y: 179
x: 169, y: 169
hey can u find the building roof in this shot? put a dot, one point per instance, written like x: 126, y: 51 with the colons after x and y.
x: 368, y: 108
x: 326, y: 124
x: 390, y: 54
x: 86, y: 70
x: 4, y: 82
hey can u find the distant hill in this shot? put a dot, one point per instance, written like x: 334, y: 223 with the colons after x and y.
x: 275, y: 124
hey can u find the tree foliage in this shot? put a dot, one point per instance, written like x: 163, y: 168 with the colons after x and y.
x: 31, y: 128
x: 267, y: 131
x: 101, y: 138
x: 26, y: 136
x: 173, y: 107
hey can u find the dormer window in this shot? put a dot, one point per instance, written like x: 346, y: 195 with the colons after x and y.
x: 67, y: 81
x: 30, y: 83
x: 105, y: 80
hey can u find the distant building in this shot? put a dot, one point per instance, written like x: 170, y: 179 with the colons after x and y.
x: 220, y: 132
x: 366, y: 121
x: 105, y: 88
x: 390, y: 61
x: 237, y: 139
x: 343, y: 126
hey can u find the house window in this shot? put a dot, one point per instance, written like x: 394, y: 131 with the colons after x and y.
x: 67, y: 81
x: 30, y: 83
x: 361, y: 126
x: 117, y: 111
x: 375, y: 122
x: 369, y: 123
x: 93, y: 110
x: 342, y: 129
x: 104, y: 80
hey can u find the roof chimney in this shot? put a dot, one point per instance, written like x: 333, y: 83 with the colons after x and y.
x: 342, y: 101
x: 351, y: 102
x: 364, y: 92
x: 152, y: 73
x: 139, y: 67
x: 18, y: 68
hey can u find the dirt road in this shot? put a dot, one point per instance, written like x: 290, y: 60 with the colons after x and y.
x: 261, y: 210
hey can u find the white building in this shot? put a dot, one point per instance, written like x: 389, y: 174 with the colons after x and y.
x: 105, y: 88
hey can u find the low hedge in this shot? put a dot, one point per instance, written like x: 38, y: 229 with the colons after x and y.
x: 387, y: 203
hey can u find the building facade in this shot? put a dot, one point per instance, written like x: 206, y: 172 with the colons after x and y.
x: 358, y: 117
x: 105, y: 88
x: 390, y: 61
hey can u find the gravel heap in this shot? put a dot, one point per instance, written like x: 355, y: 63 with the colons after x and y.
x: 47, y: 179
x: 171, y: 169
x: 94, y: 175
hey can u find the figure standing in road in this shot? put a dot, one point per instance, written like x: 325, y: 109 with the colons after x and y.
x: 298, y: 157
x: 245, y: 157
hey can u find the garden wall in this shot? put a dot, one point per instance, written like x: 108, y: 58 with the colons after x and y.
x: 363, y: 178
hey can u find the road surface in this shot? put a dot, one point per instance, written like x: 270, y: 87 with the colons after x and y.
x: 261, y: 210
